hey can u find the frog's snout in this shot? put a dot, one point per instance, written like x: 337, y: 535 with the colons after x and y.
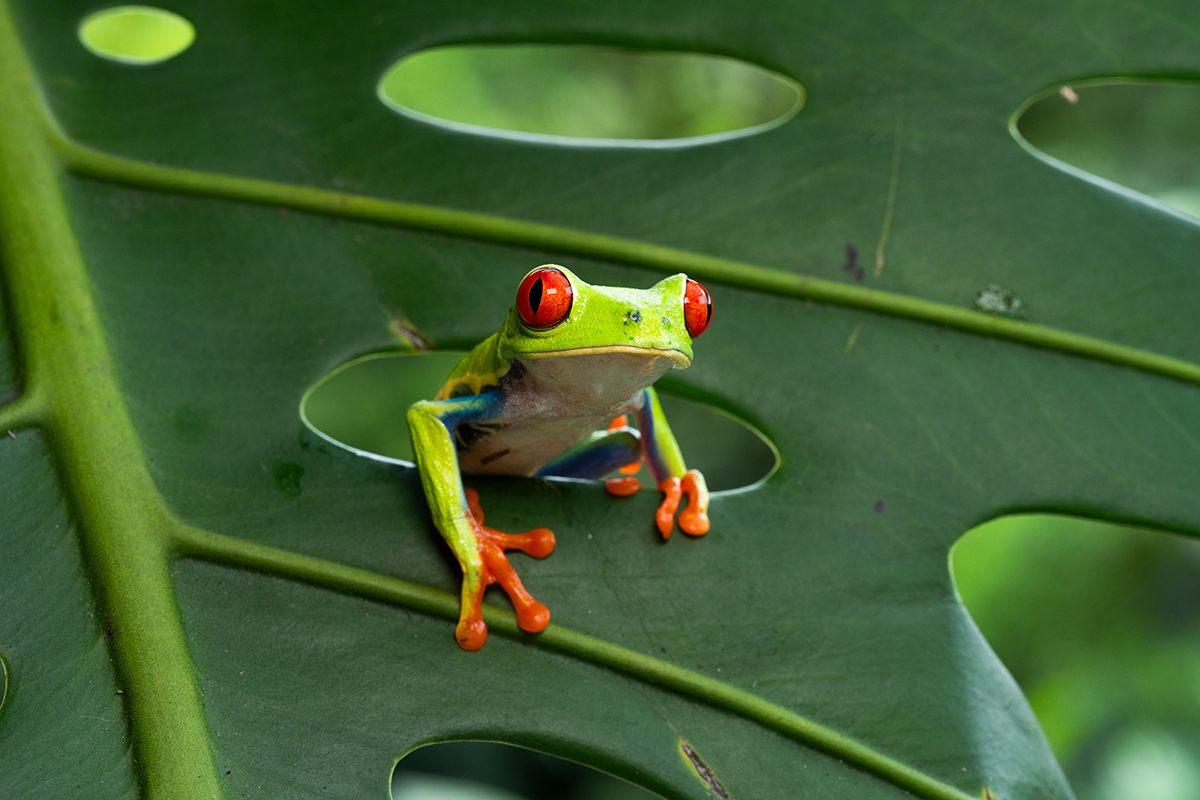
x: 633, y: 315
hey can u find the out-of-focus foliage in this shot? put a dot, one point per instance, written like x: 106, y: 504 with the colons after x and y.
x: 1100, y: 625
x: 490, y: 771
x: 589, y: 92
x: 1142, y: 135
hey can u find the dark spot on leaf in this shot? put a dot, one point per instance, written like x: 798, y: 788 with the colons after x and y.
x: 111, y: 630
x: 287, y: 477
x: 702, y: 769
x: 851, y: 259
x: 880, y: 506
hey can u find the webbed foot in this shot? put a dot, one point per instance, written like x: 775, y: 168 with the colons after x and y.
x: 693, y: 520
x: 493, y: 567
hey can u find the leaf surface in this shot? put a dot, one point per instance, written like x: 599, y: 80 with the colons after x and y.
x: 188, y: 247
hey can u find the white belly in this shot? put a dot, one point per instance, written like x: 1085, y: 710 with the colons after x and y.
x: 553, y: 404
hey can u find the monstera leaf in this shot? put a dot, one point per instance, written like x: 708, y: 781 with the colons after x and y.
x: 198, y: 598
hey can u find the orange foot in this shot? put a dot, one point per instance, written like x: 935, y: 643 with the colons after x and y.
x: 694, y: 519
x: 532, y: 616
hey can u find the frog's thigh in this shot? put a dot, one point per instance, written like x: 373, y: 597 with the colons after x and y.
x: 603, y: 454
x: 432, y: 424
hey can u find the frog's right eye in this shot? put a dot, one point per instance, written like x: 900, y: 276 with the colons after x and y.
x: 544, y: 298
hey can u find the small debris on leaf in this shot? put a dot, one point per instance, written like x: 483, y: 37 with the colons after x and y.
x: 996, y: 300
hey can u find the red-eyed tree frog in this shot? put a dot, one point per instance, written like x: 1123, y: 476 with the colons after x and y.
x: 548, y: 396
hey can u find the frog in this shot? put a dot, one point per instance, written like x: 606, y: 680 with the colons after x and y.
x: 549, y: 396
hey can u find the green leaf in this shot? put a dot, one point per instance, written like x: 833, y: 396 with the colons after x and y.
x: 201, y: 598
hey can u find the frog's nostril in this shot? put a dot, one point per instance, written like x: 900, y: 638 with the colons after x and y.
x: 633, y: 315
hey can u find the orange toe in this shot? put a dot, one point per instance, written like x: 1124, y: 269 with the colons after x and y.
x: 541, y: 543
x: 671, y: 487
x: 693, y: 521
x: 533, y: 617
x: 623, y: 487
x: 471, y: 634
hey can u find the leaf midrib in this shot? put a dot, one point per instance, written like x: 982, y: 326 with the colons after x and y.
x: 87, y: 161
x: 197, y: 543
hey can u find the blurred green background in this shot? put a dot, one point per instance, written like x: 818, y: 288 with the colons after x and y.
x: 1098, y: 623
x: 589, y: 92
x: 1142, y: 135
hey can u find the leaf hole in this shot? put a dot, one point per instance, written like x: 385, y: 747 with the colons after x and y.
x: 1100, y: 626
x: 494, y: 771
x: 361, y: 406
x: 1124, y: 134
x: 587, y: 95
x: 3, y: 680
x: 137, y: 35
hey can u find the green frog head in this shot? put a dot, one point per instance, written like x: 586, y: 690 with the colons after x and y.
x: 557, y: 314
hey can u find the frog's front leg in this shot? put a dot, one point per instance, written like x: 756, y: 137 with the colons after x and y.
x: 457, y: 515
x: 674, y: 479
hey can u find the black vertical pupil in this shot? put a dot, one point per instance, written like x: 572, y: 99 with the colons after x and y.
x: 535, y: 295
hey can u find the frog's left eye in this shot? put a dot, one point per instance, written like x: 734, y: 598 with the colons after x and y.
x: 544, y: 298
x: 697, y: 308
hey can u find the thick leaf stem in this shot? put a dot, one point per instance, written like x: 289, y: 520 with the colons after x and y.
x: 374, y: 586
x: 88, y: 161
x: 116, y: 507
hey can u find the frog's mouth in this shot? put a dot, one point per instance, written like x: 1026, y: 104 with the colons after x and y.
x: 682, y: 361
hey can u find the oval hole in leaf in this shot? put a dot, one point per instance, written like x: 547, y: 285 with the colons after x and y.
x: 136, y: 34
x: 493, y: 771
x: 3, y: 680
x: 1140, y: 135
x: 360, y: 406
x: 1100, y: 625
x: 597, y: 96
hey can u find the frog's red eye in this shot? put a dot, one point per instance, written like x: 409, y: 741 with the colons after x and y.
x: 697, y: 308
x: 544, y: 298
